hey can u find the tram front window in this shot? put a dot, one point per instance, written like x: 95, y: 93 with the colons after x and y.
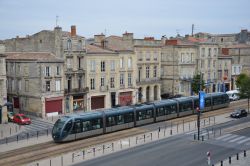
x: 59, y: 125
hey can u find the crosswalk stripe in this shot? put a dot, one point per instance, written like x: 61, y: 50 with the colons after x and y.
x: 236, y: 139
x: 230, y: 137
x: 244, y: 140
x: 221, y: 137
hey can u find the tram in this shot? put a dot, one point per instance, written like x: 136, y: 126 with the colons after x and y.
x: 84, y: 125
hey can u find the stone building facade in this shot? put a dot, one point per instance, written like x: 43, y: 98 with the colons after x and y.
x: 35, y: 83
x: 3, y: 90
x: 148, y: 53
x: 178, y: 66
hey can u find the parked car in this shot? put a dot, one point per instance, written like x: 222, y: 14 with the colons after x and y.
x: 21, y: 119
x: 238, y: 113
x: 10, y: 116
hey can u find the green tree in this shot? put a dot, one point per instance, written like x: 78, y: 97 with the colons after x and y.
x: 196, y: 83
x: 243, y: 83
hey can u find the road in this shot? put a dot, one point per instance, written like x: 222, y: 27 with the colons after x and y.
x: 180, y: 150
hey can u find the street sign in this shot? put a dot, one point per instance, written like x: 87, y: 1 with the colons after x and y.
x: 202, y: 99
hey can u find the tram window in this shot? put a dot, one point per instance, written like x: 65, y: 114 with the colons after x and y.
x: 161, y: 111
x: 86, y: 126
x: 148, y: 114
x: 111, y: 121
x: 207, y: 102
x: 77, y: 127
x: 120, y: 119
x: 96, y: 124
x: 68, y: 126
x: 196, y: 104
x: 186, y: 106
x: 129, y: 117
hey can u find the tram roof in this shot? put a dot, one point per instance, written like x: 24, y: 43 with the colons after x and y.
x: 119, y: 110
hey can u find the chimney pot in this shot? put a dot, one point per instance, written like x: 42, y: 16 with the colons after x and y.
x: 73, y: 30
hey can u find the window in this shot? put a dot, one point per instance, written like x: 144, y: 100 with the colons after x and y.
x: 147, y: 72
x: 102, y: 66
x: 92, y: 83
x: 121, y: 79
x: 214, y: 63
x: 209, y: 52
x: 26, y: 85
x: 208, y: 63
x: 181, y: 87
x: 79, y: 63
x: 19, y: 85
x: 69, y: 63
x: 79, y: 45
x: 147, y: 56
x: 202, y: 64
x: 155, y: 71
x: 139, y: 56
x: 57, y: 70
x: 112, y: 82
x: 112, y: 65
x: 92, y: 66
x: 155, y: 56
x: 47, y: 86
x: 215, y: 52
x: 121, y: 63
x: 58, y: 85
x: 226, y: 73
x: 69, y: 44
x: 47, y: 71
x: 129, y: 79
x: 102, y: 81
x: 139, y: 73
x: 80, y: 82
x: 203, y: 52
x: 182, y: 57
x: 129, y: 63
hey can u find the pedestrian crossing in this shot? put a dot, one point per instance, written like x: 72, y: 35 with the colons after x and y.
x: 229, y: 138
x: 38, y: 125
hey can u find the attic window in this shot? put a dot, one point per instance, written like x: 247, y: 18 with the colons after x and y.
x: 41, y: 41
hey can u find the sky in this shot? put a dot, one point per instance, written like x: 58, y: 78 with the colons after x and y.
x: 144, y: 18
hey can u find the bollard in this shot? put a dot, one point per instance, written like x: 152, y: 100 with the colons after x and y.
x: 229, y: 159
x: 245, y: 154
x: 103, y: 147
x: 171, y: 132
x: 83, y: 154
x: 50, y: 162
x: 177, y: 127
x: 204, y: 122
x: 183, y: 126
x: 94, y: 151
x: 136, y: 141
x: 112, y: 146
x: 164, y: 132
x: 221, y: 163
x: 237, y: 156
x: 159, y: 130
x: 61, y: 160
x: 37, y: 164
x: 202, y: 138
x: 194, y: 136
x: 144, y: 137
x: 151, y: 136
x: 121, y: 144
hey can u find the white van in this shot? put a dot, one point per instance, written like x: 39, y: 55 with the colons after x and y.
x: 233, y: 95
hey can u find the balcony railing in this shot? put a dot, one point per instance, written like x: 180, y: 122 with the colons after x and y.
x: 76, y: 90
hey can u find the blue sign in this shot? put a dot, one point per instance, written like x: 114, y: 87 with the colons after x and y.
x: 202, y: 99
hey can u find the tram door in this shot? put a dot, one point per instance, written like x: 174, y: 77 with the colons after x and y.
x: 77, y: 128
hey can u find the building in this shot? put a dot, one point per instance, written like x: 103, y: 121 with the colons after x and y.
x: 67, y: 45
x: 3, y: 90
x: 178, y: 66
x: 101, y: 66
x: 35, y: 83
x: 148, y: 53
x: 224, y: 71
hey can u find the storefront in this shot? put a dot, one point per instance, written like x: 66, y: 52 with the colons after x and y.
x: 78, y: 103
x: 53, y: 105
x: 97, y: 102
x: 125, y: 98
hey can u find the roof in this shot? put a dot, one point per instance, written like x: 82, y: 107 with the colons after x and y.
x: 94, y: 49
x: 116, y: 43
x: 33, y: 56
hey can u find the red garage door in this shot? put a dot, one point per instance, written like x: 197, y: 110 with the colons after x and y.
x: 97, y: 102
x: 125, y: 98
x: 53, y: 105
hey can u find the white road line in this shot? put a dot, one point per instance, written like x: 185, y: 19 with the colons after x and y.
x: 244, y: 140
x: 230, y: 137
x: 236, y: 139
x: 223, y: 136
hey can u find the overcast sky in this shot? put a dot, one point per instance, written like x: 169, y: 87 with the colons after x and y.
x: 114, y: 17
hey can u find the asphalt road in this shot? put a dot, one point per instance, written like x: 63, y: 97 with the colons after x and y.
x: 178, y: 150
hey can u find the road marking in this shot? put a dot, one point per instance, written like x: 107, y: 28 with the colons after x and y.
x: 223, y: 136
x: 244, y: 140
x: 236, y: 139
x: 230, y: 137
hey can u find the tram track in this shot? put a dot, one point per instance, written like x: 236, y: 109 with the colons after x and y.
x: 41, y: 151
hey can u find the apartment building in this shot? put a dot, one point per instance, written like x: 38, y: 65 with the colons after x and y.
x: 35, y: 83
x: 148, y: 53
x: 178, y: 66
x: 208, y: 53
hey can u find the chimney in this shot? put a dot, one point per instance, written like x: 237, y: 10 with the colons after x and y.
x: 98, y: 39
x: 149, y: 38
x: 73, y: 30
x: 171, y: 42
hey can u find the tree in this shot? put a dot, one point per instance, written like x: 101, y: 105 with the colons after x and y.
x: 243, y: 83
x: 196, y: 83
